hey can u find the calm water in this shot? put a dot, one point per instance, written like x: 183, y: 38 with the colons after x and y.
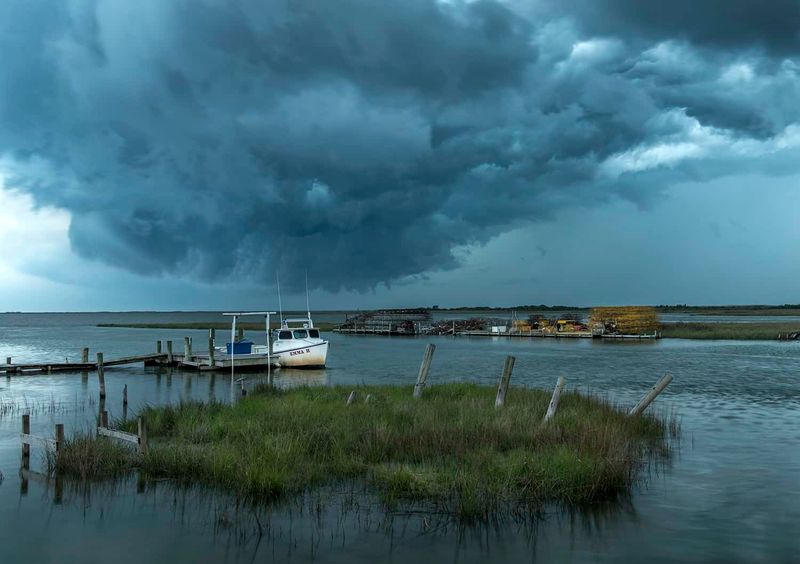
x: 731, y: 494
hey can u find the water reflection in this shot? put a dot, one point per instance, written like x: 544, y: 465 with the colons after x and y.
x: 323, y: 525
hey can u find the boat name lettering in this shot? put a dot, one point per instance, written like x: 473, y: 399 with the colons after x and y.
x: 301, y: 351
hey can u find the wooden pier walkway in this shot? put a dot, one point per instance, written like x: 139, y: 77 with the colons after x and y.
x: 211, y: 360
x: 48, y: 367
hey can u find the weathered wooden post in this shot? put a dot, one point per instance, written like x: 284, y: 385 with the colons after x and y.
x: 505, y: 379
x: 551, y: 409
x: 26, y: 447
x: 125, y: 395
x: 104, y: 419
x: 187, y: 349
x: 651, y: 395
x: 85, y: 355
x: 158, y: 347
x: 169, y: 352
x: 422, y: 377
x: 59, y: 437
x: 351, y: 398
x: 8, y: 360
x: 101, y: 375
x: 142, y: 435
x: 240, y: 334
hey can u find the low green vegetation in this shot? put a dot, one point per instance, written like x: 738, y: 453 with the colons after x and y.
x: 730, y: 331
x: 748, y: 310
x: 452, y: 448
x: 221, y: 325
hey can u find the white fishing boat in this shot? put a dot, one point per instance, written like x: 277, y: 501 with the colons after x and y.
x: 298, y: 344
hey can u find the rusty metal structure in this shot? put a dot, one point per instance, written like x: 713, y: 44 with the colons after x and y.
x: 389, y: 322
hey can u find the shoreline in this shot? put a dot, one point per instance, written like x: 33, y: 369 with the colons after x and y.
x: 727, y: 331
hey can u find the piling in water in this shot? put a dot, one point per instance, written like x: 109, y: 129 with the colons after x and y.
x: 101, y: 377
x: 651, y: 395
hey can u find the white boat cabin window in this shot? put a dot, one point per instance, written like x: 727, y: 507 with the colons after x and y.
x: 300, y: 334
x: 285, y: 335
x: 313, y: 333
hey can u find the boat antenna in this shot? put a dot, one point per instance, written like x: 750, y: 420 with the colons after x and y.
x: 280, y: 304
x: 308, y: 307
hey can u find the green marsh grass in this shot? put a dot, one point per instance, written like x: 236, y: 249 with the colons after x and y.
x: 451, y: 448
x: 728, y: 331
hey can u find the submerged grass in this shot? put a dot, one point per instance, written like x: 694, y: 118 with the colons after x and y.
x: 728, y: 331
x: 451, y: 448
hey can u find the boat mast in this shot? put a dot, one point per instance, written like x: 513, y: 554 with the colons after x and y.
x: 280, y: 305
x: 308, y: 307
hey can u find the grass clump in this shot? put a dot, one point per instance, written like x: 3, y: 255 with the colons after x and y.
x: 451, y: 448
x: 727, y: 331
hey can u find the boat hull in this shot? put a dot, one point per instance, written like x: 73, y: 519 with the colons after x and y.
x: 310, y: 356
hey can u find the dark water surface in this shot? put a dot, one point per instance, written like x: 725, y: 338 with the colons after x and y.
x: 731, y: 494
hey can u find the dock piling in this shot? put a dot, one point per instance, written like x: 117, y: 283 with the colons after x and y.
x: 85, y: 355
x: 158, y: 347
x: 59, y: 437
x: 142, y: 435
x: 505, y: 379
x: 211, y: 351
x: 551, y: 409
x: 26, y: 447
x: 187, y: 349
x: 169, y: 352
x: 101, y: 375
x: 422, y: 377
x: 651, y: 395
x: 104, y: 419
x: 240, y: 334
x: 125, y: 395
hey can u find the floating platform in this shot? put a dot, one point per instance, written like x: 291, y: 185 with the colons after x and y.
x: 561, y: 335
x: 529, y: 334
x: 223, y: 363
x: 374, y: 331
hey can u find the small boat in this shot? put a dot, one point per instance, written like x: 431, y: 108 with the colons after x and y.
x: 298, y: 344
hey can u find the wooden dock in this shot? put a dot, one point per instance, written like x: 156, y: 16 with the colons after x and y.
x: 529, y: 334
x: 375, y: 331
x: 207, y: 361
x: 556, y: 335
x: 49, y: 367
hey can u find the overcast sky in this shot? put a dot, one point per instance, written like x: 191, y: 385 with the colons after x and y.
x: 177, y: 154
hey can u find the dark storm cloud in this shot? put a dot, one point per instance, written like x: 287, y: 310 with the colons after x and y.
x: 363, y: 141
x: 732, y: 24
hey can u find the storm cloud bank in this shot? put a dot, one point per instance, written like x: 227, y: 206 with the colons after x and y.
x: 366, y: 141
